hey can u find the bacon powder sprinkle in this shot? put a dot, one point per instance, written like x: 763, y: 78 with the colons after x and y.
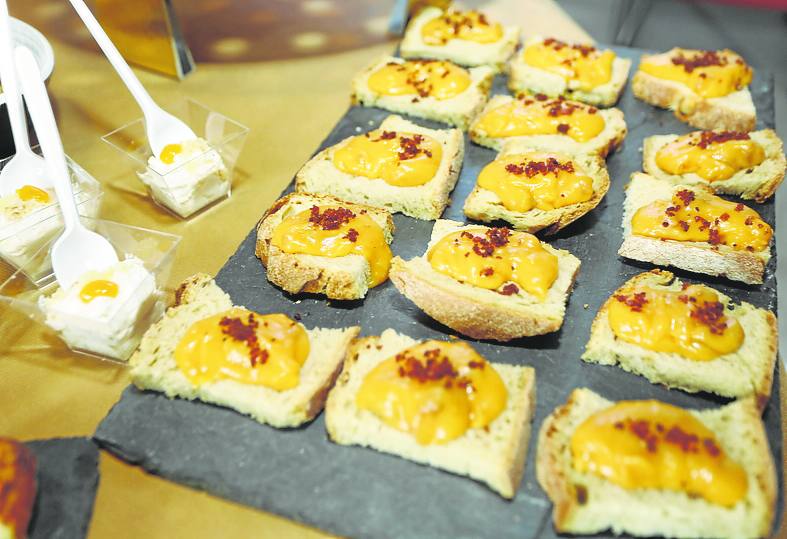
x: 674, y: 435
x: 485, y: 246
x: 685, y: 196
x: 563, y: 128
x: 702, y: 59
x: 509, y: 290
x: 711, y: 314
x: 245, y: 332
x: 330, y: 218
x: 352, y: 235
x: 707, y: 138
x: 410, y: 147
x: 531, y: 168
x: 635, y: 301
x: 436, y: 367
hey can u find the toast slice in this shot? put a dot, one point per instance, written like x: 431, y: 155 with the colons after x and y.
x: 153, y: 365
x: 494, y: 455
x: 17, y: 488
x: 697, y: 257
x: 602, y: 144
x: 460, y: 51
x: 747, y: 372
x: 457, y: 111
x: 477, y: 312
x: 587, y: 504
x: 345, y: 277
x: 732, y: 112
x: 758, y: 182
x: 427, y: 201
x: 485, y: 206
x: 522, y: 77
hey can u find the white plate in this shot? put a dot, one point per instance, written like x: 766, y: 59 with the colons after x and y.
x: 26, y: 35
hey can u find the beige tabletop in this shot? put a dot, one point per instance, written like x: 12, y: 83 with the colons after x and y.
x: 283, y: 70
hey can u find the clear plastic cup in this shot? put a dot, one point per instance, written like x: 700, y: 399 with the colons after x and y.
x: 113, y: 338
x: 198, y: 183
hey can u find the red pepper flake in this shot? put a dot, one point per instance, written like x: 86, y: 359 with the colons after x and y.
x: 701, y: 59
x: 436, y: 366
x: 739, y: 207
x: 330, y: 218
x: 711, y: 314
x: 563, y: 128
x: 635, y: 301
x: 724, y: 216
x: 714, y: 237
x: 706, y: 138
x: 686, y: 441
x: 352, y: 235
x: 410, y: 147
x: 487, y: 272
x: 245, y: 332
x: 641, y: 429
x: 711, y: 447
x: 509, y: 290
x: 685, y: 196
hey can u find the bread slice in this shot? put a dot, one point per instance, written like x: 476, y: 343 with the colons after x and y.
x: 722, y: 260
x: 477, y: 312
x: 759, y: 182
x: 427, y: 201
x: 732, y: 112
x: 743, y: 373
x: 17, y: 488
x: 522, y: 77
x: 602, y: 144
x: 153, y: 364
x: 344, y: 277
x: 458, y: 110
x: 494, y: 455
x: 459, y: 51
x: 484, y: 205
x: 587, y: 504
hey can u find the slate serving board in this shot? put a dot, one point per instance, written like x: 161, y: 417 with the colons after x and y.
x: 359, y: 492
x: 67, y: 475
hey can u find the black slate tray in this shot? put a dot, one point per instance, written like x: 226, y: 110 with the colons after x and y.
x: 67, y: 475
x: 362, y: 493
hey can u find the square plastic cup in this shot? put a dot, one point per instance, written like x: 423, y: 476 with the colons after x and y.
x: 115, y: 338
x: 22, y: 238
x: 196, y: 184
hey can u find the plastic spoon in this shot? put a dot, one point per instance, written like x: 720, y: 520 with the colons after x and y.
x: 25, y: 167
x: 78, y: 249
x: 162, y: 127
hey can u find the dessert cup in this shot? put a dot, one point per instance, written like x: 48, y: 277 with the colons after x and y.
x: 202, y: 179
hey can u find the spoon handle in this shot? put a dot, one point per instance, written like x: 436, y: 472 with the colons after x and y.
x: 46, y: 129
x: 13, y: 99
x: 115, y: 58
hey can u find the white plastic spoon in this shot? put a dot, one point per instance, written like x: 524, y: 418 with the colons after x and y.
x: 162, y: 127
x: 78, y: 249
x: 25, y: 167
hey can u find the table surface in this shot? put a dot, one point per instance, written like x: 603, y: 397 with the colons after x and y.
x: 303, y: 85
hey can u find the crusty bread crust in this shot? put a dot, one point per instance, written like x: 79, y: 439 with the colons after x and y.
x: 610, y: 138
x: 153, y: 365
x: 747, y: 372
x: 462, y: 52
x: 427, y: 201
x: 721, y: 260
x: 759, y: 182
x: 495, y: 455
x: 485, y: 206
x: 479, y: 313
x: 17, y: 486
x: 712, y: 113
x: 588, y: 504
x: 524, y: 77
x: 458, y: 110
x: 340, y: 278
